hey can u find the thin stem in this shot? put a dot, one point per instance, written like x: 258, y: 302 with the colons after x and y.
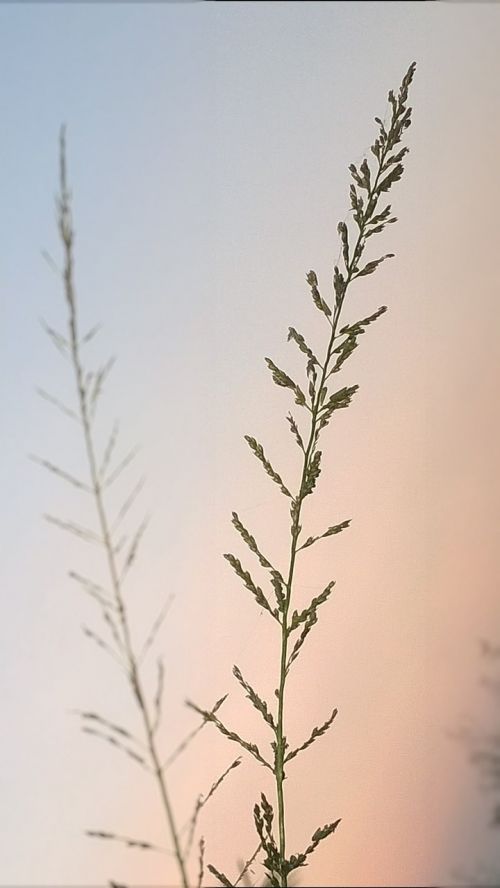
x: 371, y: 203
x: 132, y: 664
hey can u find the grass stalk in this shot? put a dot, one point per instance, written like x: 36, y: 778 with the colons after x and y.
x: 295, y: 528
x: 122, y: 626
x: 319, y: 404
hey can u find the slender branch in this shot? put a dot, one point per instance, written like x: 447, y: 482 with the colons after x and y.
x: 248, y: 864
x: 183, y: 745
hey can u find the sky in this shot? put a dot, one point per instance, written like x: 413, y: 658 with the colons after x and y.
x: 208, y: 153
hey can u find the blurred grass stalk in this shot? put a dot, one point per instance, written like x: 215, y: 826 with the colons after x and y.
x: 120, y: 552
x: 115, y: 609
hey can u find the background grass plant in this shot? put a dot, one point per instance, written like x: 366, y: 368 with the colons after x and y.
x: 318, y: 400
x: 482, y: 744
x: 119, y: 551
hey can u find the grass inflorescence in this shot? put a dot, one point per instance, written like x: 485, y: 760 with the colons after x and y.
x: 318, y: 400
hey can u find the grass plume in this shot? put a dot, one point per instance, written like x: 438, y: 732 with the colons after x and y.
x: 318, y: 400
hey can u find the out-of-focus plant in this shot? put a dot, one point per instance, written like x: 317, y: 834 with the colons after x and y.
x: 119, y: 552
x: 483, y: 751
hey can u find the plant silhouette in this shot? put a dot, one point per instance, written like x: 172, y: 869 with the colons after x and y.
x: 318, y: 401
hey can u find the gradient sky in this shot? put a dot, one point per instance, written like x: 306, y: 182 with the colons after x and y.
x: 208, y: 151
